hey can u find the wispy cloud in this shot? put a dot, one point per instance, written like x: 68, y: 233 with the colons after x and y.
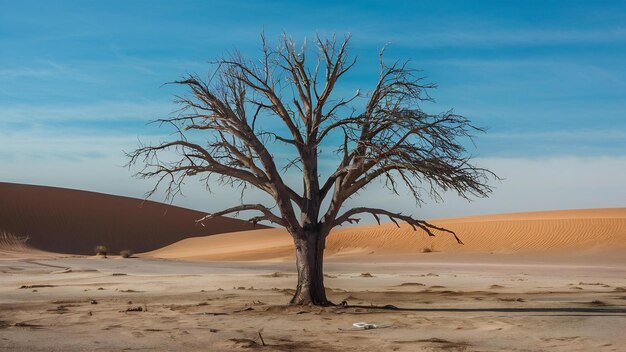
x: 42, y: 70
x: 38, y: 145
x: 26, y: 72
x: 114, y: 110
x: 562, y: 135
x: 494, y: 37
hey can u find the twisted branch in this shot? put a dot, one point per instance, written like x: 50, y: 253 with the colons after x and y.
x: 267, y: 214
x: 394, y: 217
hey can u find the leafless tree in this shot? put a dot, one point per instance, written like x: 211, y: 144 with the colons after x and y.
x: 382, y: 134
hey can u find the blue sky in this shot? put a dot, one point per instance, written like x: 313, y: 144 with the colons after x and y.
x: 79, y: 80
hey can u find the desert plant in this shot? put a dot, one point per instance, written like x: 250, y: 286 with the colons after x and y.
x: 428, y: 249
x: 126, y: 253
x: 226, y: 128
x: 101, y: 250
x: 9, y: 240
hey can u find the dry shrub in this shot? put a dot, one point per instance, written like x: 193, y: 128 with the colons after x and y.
x: 12, y: 241
x: 428, y: 249
x: 126, y: 253
x: 101, y: 250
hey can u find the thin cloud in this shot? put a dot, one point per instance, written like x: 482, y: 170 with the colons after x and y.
x: 495, y: 37
x: 87, y: 112
x: 43, y: 70
x: 572, y: 135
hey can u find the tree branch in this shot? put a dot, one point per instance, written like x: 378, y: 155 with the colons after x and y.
x: 414, y: 223
x: 267, y: 214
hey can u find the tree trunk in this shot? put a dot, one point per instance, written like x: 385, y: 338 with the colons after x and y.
x: 310, y: 264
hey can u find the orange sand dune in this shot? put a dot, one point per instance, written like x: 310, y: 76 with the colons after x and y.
x: 568, y: 230
x: 71, y: 221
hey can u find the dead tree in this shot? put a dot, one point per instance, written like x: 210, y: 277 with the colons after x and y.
x: 382, y: 134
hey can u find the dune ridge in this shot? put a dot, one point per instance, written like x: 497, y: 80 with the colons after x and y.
x: 580, y: 230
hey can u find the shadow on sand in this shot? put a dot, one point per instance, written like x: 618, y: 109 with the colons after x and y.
x: 606, y: 311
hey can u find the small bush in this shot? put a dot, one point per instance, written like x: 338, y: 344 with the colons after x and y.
x: 428, y: 249
x: 598, y: 303
x: 126, y: 253
x: 101, y: 250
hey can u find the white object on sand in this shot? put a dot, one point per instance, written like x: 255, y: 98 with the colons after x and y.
x: 365, y: 326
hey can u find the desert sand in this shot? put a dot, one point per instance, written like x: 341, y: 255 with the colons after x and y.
x: 544, y: 281
x: 78, y: 304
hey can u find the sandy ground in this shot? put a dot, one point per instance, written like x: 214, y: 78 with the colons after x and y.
x: 542, y: 281
x: 449, y: 302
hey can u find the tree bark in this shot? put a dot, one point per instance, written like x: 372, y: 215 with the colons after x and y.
x: 310, y: 263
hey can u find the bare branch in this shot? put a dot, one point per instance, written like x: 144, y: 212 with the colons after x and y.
x: 267, y: 214
x: 414, y: 223
x: 222, y: 131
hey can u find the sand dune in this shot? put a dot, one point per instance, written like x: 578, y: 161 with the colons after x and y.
x: 568, y: 230
x: 71, y: 221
